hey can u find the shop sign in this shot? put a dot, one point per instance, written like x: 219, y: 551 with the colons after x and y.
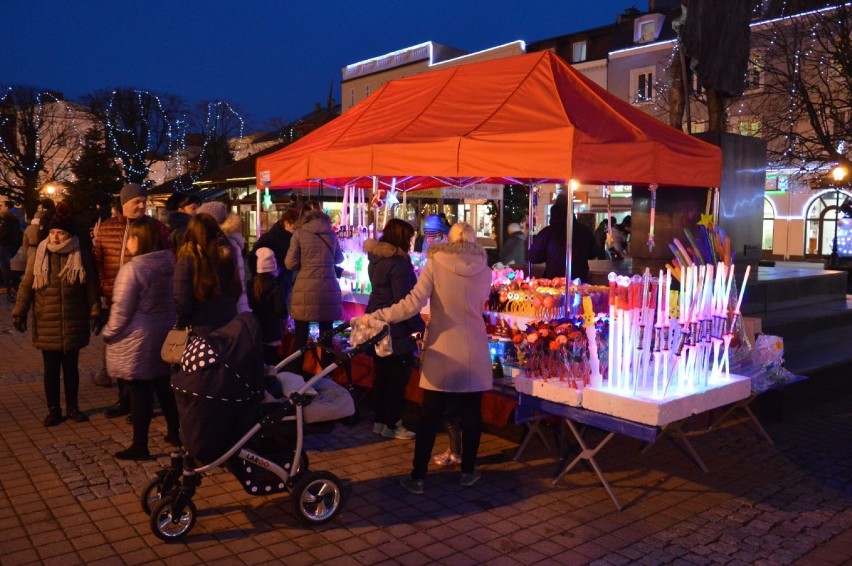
x: 479, y: 192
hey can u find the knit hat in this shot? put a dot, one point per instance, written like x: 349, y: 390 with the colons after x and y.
x: 216, y: 209
x: 62, y: 219
x: 130, y: 191
x: 266, y: 261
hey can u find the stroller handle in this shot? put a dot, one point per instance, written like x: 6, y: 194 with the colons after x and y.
x: 343, y: 326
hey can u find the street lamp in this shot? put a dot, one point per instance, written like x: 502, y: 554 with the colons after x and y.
x: 838, y: 173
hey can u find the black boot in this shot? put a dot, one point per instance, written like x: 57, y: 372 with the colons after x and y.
x: 135, y: 452
x: 54, y: 417
x: 75, y: 414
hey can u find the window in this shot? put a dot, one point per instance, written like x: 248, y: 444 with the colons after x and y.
x: 642, y: 85
x: 646, y: 32
x: 351, y: 97
x: 768, y: 224
x: 366, y: 91
x: 754, y: 73
x: 578, y: 51
x: 822, y: 218
x: 748, y: 127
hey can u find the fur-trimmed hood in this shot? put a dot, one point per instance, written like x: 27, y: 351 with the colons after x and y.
x: 232, y: 227
x: 462, y: 258
x: 382, y: 250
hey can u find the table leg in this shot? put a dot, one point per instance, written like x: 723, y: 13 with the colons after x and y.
x: 588, y: 454
x: 533, y: 428
x: 760, y: 428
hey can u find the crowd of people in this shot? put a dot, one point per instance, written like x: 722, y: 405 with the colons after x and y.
x: 142, y: 277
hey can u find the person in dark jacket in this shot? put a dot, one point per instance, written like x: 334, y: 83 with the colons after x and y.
x: 392, y: 278
x: 142, y: 312
x: 277, y: 239
x: 266, y: 300
x: 61, y: 286
x: 207, y: 284
x: 514, y: 250
x: 181, y: 207
x: 10, y: 240
x: 549, y: 246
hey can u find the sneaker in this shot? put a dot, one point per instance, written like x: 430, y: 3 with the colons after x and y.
x: 379, y: 429
x: 134, y: 453
x: 53, y: 418
x: 172, y: 438
x: 468, y: 480
x: 400, y: 432
x: 412, y: 485
x: 447, y: 459
x: 102, y: 379
x: 115, y: 411
x: 76, y: 415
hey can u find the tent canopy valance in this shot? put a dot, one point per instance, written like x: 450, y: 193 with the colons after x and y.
x: 529, y: 118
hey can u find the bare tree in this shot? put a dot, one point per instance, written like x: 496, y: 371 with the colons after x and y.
x: 141, y: 127
x: 806, y: 105
x: 39, y: 138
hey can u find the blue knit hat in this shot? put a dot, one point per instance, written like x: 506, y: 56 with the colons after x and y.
x: 433, y: 224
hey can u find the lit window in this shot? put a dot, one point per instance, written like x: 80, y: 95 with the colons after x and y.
x: 748, y: 127
x: 768, y: 224
x: 642, y: 85
x: 646, y: 32
x: 578, y: 50
x: 754, y: 73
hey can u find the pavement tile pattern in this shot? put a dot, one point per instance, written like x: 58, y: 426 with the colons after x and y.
x: 65, y: 500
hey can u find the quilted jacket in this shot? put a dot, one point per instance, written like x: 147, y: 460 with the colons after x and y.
x: 314, y: 252
x: 109, y: 244
x: 61, y: 311
x: 142, y: 312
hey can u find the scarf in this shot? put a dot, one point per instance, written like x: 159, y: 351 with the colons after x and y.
x: 73, y: 270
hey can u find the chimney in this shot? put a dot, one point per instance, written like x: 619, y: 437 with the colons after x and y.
x: 628, y: 15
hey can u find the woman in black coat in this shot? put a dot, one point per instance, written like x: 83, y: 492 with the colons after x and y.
x: 549, y: 244
x: 392, y: 278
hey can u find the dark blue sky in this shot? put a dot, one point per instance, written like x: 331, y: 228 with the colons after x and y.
x: 269, y: 58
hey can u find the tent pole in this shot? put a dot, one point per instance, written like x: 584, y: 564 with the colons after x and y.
x: 569, y: 236
x: 257, y: 222
x: 530, y: 226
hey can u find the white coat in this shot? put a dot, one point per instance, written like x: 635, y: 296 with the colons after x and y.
x: 457, y: 282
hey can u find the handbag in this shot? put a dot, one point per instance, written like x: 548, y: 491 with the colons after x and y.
x: 19, y: 260
x: 176, y: 342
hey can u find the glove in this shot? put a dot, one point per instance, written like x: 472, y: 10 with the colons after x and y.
x: 20, y: 323
x: 96, y: 324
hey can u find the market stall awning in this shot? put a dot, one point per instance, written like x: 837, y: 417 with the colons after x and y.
x: 530, y: 118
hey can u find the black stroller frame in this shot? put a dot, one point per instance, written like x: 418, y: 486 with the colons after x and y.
x: 317, y: 496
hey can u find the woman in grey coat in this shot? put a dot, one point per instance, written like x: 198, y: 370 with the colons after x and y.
x: 143, y: 311
x: 455, y: 365
x: 316, y: 297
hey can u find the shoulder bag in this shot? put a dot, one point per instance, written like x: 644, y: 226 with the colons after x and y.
x: 176, y: 342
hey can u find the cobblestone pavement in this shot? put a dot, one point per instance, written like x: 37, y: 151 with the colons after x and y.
x: 65, y: 500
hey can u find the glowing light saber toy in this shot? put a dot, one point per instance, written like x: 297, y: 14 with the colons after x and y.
x: 683, y: 319
x: 595, y: 377
x: 736, y: 315
x: 658, y: 332
x: 613, y: 293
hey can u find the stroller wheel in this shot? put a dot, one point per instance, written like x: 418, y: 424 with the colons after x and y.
x: 151, y: 495
x: 168, y: 527
x: 317, y: 497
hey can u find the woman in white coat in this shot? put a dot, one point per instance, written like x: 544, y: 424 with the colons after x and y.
x: 455, y: 362
x: 143, y: 311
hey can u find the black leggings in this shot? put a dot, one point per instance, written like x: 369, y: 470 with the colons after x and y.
x: 436, y: 406
x: 142, y: 406
x: 392, y: 373
x: 300, y: 338
x: 67, y: 363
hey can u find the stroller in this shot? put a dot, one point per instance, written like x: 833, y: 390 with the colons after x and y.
x: 236, y: 412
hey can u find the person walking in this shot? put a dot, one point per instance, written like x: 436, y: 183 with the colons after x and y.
x: 207, y: 284
x: 60, y: 285
x: 549, y: 244
x: 110, y: 253
x: 316, y: 297
x: 455, y: 365
x: 143, y: 311
x: 10, y: 240
x: 267, y: 303
x: 392, y: 278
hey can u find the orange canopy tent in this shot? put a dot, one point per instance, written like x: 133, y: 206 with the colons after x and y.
x: 523, y: 119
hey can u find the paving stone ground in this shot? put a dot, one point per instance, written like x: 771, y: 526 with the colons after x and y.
x: 65, y: 500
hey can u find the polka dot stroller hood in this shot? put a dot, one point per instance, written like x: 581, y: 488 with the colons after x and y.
x: 219, y: 387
